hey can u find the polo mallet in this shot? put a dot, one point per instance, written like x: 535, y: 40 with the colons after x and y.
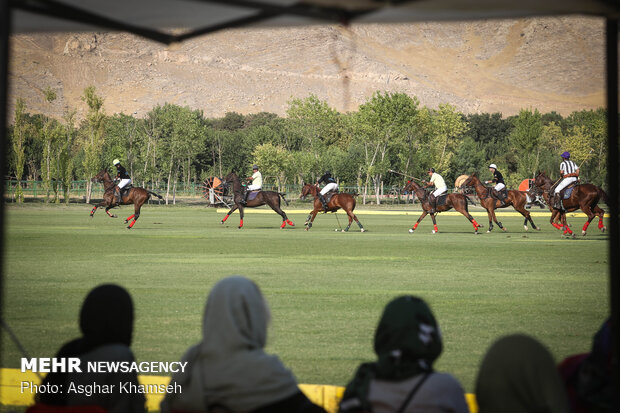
x: 338, y: 220
x: 406, y: 176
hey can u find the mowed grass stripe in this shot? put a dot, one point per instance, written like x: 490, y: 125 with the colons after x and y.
x: 326, y: 289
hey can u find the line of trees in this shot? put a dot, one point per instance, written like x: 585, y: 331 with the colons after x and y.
x: 174, y: 144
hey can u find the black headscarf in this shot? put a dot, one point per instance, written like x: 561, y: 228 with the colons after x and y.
x: 106, y: 318
x: 407, y: 343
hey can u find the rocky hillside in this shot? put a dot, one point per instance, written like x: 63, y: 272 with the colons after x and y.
x: 553, y: 64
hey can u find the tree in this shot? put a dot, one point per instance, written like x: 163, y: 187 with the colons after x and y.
x: 448, y: 130
x: 20, y: 130
x: 274, y: 161
x: 92, y: 136
x: 65, y: 163
x: 51, y: 136
x: 525, y: 141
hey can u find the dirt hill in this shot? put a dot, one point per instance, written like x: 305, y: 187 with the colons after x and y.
x: 553, y: 64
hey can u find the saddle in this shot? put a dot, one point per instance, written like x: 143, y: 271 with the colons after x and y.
x: 442, y: 200
x: 252, y: 194
x: 568, y: 191
x: 491, y: 193
x: 329, y: 195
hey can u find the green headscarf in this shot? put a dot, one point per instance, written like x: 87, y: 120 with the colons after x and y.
x: 519, y: 375
x: 407, y: 343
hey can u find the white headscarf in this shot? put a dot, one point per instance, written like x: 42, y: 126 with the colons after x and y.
x: 229, y: 366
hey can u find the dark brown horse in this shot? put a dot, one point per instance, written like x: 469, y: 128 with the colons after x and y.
x: 453, y: 200
x: 584, y: 196
x: 337, y: 201
x: 270, y: 198
x: 136, y: 196
x: 516, y: 199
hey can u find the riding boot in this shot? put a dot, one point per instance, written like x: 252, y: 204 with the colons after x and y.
x: 432, y: 200
x: 117, y: 194
x: 557, y: 202
x: 322, y: 199
x: 244, y: 199
x: 499, y: 195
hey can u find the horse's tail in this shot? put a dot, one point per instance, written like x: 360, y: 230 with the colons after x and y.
x: 153, y: 193
x: 281, y: 194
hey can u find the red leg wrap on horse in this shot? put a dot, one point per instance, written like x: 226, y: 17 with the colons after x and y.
x: 132, y: 223
x: 283, y: 224
x: 585, y: 226
x: 415, y: 225
x: 225, y: 218
x: 131, y: 217
x: 600, y: 223
x: 558, y: 226
x: 435, y: 227
x: 240, y: 223
x: 476, y: 225
x: 288, y: 221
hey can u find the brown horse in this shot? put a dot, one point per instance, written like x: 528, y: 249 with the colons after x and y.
x: 270, y: 198
x: 454, y: 200
x: 517, y: 199
x: 337, y: 201
x: 136, y: 196
x: 584, y: 196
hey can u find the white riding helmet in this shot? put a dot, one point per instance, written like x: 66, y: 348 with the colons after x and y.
x: 493, y: 166
x: 116, y: 162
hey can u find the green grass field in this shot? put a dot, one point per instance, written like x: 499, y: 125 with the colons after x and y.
x: 326, y: 289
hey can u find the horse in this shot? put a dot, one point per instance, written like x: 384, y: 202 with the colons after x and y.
x: 135, y: 195
x: 517, y: 199
x: 584, y: 196
x: 270, y: 198
x: 453, y: 200
x: 337, y: 201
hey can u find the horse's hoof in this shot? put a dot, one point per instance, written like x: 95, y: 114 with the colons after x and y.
x: 128, y: 226
x: 525, y: 226
x: 411, y: 230
x: 307, y: 228
x: 343, y: 230
x: 362, y: 230
x: 114, y: 216
x: 504, y: 229
x: 537, y: 229
x: 126, y: 221
x: 434, y: 232
x: 583, y: 233
x: 603, y: 229
x: 489, y: 231
x: 222, y: 222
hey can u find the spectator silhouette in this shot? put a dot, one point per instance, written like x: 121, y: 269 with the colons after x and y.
x: 106, y: 322
x: 229, y: 369
x: 518, y: 375
x: 407, y: 343
x: 588, y: 377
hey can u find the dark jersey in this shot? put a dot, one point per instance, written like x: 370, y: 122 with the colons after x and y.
x: 122, y: 172
x: 327, y: 179
x: 498, y: 178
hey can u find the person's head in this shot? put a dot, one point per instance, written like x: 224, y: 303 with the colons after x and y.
x: 235, y: 317
x: 518, y: 374
x: 255, y: 168
x: 107, y: 316
x: 328, y: 172
x: 407, y: 339
x: 565, y: 155
x: 116, y: 163
x: 492, y: 167
x: 431, y: 171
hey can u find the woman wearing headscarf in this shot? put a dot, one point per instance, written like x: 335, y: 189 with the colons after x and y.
x: 106, y: 322
x: 519, y: 375
x: 229, y: 368
x: 407, y: 343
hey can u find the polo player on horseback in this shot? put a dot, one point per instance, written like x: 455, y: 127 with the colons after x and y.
x: 569, y: 172
x: 124, y: 179
x: 330, y: 185
x: 499, y: 190
x: 255, y: 185
x: 440, y: 188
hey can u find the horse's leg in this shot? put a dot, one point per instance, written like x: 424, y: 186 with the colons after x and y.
x: 467, y: 215
x: 526, y: 214
x: 600, y: 213
x: 591, y: 215
x: 435, y: 230
x: 228, y: 213
x: 92, y: 212
x: 311, y: 218
x: 490, y: 215
x: 359, y: 224
x: 275, y: 205
x: 413, y: 228
x: 241, y: 217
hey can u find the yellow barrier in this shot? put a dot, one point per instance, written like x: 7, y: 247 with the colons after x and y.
x: 11, y: 393
x: 415, y: 213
